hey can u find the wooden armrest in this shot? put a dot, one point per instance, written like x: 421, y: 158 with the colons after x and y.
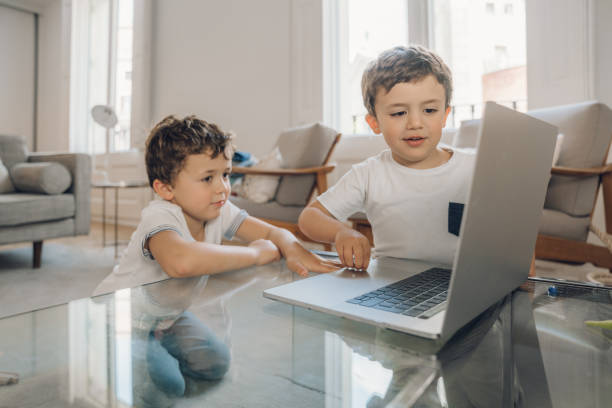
x: 284, y: 172
x: 582, y: 172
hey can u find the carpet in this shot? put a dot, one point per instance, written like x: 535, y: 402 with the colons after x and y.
x: 66, y: 273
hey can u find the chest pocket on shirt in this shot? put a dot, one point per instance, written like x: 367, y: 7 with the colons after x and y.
x: 455, y: 213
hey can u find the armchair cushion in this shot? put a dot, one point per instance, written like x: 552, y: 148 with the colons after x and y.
x: 559, y: 224
x: 300, y: 147
x: 271, y: 210
x: 41, y: 178
x: 6, y: 186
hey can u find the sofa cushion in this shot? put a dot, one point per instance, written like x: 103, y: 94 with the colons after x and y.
x: 23, y: 208
x: 41, y: 178
x: 6, y: 186
x: 13, y: 150
x: 301, y: 147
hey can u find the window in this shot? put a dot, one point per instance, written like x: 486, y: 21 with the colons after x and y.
x: 362, y: 30
x: 101, y: 73
x: 485, y: 51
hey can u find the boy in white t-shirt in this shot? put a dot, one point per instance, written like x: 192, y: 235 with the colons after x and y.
x: 179, y: 237
x: 188, y: 163
x: 413, y: 193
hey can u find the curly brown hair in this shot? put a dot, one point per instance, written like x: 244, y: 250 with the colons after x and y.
x: 403, y: 64
x: 173, y: 139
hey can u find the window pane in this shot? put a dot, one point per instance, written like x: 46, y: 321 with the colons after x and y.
x: 483, y: 42
x: 97, y: 80
x: 123, y: 74
x: 371, y: 27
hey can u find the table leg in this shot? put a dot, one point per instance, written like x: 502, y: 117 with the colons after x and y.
x: 103, y: 218
x: 116, y: 219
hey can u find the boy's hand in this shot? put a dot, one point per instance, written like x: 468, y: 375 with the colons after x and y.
x: 300, y: 261
x: 353, y: 248
x: 266, y: 251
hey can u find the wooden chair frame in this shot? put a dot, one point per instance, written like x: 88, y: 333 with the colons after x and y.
x: 320, y: 185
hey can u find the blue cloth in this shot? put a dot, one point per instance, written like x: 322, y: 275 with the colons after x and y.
x: 241, y: 159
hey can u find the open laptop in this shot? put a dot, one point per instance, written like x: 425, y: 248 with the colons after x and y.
x: 497, y: 238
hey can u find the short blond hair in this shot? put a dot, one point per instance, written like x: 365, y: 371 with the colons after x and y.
x: 403, y: 64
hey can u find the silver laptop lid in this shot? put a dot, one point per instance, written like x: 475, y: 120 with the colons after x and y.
x: 501, y: 220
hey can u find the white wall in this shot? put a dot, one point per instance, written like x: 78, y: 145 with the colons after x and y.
x: 603, y: 51
x: 17, y: 73
x: 54, y: 76
x: 559, y: 63
x: 232, y: 62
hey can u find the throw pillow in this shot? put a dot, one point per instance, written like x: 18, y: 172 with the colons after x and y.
x: 41, y: 178
x: 261, y: 189
x: 6, y: 186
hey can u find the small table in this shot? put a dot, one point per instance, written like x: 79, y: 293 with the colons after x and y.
x: 116, y: 185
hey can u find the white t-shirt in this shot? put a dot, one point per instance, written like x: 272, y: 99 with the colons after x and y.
x: 407, y: 208
x: 137, y: 265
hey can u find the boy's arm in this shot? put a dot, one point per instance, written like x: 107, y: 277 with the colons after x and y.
x: 320, y: 225
x: 180, y: 258
x: 299, y: 259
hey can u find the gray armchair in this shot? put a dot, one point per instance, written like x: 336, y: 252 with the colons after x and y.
x: 305, y: 154
x: 31, y: 214
x: 574, y: 184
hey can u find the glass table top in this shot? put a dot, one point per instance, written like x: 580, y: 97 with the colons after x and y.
x: 224, y: 345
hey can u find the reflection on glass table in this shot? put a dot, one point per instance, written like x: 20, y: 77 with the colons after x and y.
x: 173, y: 343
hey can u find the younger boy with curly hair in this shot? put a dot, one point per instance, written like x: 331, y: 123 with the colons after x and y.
x: 188, y: 163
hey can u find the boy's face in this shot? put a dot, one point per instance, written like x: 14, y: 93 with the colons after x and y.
x: 411, y: 117
x: 201, y: 188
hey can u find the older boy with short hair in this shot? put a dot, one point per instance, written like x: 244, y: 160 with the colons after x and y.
x: 406, y: 191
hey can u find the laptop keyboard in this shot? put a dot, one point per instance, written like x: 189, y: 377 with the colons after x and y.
x: 421, y: 295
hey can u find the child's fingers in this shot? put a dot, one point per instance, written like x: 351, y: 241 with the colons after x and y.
x: 358, y: 257
x: 324, y: 267
x: 340, y: 251
x: 301, y: 269
x: 348, y: 255
x: 298, y: 268
x: 366, y: 255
